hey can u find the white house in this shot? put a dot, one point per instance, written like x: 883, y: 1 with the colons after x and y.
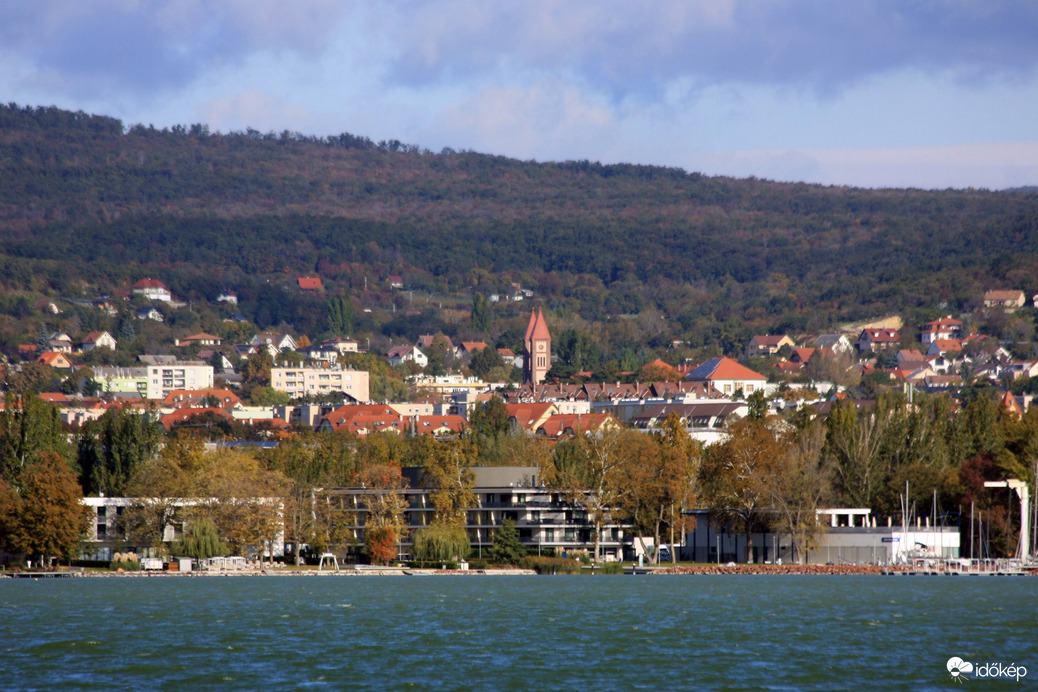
x: 407, y: 353
x: 153, y: 289
x: 98, y: 340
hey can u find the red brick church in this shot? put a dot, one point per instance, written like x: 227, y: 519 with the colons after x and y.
x: 537, y: 359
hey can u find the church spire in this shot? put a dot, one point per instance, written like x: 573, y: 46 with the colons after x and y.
x: 537, y: 341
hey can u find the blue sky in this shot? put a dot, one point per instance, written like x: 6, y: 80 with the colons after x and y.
x: 879, y: 93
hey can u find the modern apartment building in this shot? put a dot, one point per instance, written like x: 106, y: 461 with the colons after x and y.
x: 164, y: 378
x: 545, y: 518
x: 298, y: 382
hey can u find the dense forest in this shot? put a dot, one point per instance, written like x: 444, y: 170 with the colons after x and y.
x: 88, y: 205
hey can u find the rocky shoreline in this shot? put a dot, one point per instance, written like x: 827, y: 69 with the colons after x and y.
x: 780, y: 569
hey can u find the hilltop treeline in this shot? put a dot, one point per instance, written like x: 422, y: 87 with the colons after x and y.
x: 88, y: 199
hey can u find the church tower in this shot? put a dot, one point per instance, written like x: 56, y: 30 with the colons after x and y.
x: 537, y: 359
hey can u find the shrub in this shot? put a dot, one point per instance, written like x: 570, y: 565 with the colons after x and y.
x: 550, y: 565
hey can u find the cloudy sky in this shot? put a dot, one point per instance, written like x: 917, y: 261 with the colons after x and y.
x: 880, y: 93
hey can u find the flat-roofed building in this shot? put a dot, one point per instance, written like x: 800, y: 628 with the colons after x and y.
x: 298, y: 382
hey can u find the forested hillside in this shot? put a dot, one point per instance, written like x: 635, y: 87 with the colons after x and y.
x: 88, y: 204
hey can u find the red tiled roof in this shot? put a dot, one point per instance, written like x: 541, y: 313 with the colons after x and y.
x: 150, y: 283
x: 724, y: 369
x: 183, y: 414
x: 310, y: 283
x: 563, y: 423
x: 948, y: 344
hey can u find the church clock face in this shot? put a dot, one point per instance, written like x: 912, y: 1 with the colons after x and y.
x: 540, y: 347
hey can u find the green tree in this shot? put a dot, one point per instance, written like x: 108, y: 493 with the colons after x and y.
x: 506, y: 548
x: 440, y: 543
x: 33, y: 378
x: 29, y: 427
x: 112, y: 447
x: 440, y: 355
x: 200, y: 541
x: 340, y: 316
x: 486, y: 361
x: 853, y: 442
x: 480, y: 313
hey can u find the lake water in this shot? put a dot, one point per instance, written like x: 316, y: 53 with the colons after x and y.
x: 575, y: 632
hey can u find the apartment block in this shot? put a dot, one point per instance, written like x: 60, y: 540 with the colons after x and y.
x: 298, y: 382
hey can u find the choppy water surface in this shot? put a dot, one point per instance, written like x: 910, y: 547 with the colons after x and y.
x: 586, y: 632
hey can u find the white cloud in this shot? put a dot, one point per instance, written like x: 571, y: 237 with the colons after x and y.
x: 994, y: 165
x: 524, y: 122
x: 253, y: 109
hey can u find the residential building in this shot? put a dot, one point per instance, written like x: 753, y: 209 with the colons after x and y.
x: 545, y: 518
x: 876, y: 340
x: 942, y: 328
x: 406, y: 353
x: 166, y: 377
x: 55, y: 359
x: 122, y: 380
x: 221, y: 398
x: 149, y: 313
x: 200, y: 339
x: 728, y: 377
x: 275, y: 341
x: 60, y: 342
x: 98, y: 340
x: 153, y: 289
x: 768, y: 345
x: 300, y: 381
x: 1007, y: 300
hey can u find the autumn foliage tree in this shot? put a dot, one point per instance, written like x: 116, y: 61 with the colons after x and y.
x: 384, y: 506
x: 589, y: 469
x: 42, y: 516
x: 736, y: 473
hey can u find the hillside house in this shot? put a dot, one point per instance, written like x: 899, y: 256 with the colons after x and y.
x: 200, y: 339
x: 55, y: 359
x: 768, y: 345
x: 877, y: 340
x: 153, y: 289
x: 942, y: 328
x: 275, y: 341
x: 406, y: 353
x: 1007, y: 300
x: 98, y: 340
x: 149, y: 313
